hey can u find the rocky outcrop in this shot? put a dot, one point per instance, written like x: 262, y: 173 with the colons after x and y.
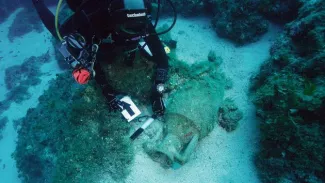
x: 290, y: 98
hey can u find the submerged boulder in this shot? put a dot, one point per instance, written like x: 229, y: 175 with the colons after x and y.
x: 280, y: 11
x: 27, y: 20
x: 187, y: 8
x: 8, y: 7
x: 289, y: 93
x: 3, y: 123
x: 19, y: 78
x: 229, y: 115
x: 71, y: 137
x: 238, y: 20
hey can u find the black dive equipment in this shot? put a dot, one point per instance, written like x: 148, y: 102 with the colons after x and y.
x: 77, y: 54
x: 130, y: 16
x: 133, y: 14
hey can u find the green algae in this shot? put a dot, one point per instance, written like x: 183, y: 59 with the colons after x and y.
x: 72, y: 137
x: 289, y: 95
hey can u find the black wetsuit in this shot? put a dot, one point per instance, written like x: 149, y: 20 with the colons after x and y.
x: 97, y: 23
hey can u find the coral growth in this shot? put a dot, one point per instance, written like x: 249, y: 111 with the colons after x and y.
x: 289, y: 93
x: 25, y: 21
x: 229, y: 115
x: 72, y: 137
x: 20, y: 77
x: 188, y: 8
x: 280, y: 11
x: 8, y: 7
x: 3, y: 123
x: 4, y: 105
x: 237, y: 20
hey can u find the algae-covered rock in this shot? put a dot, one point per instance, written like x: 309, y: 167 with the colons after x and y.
x: 3, y: 123
x: 289, y: 93
x: 229, y: 115
x: 280, y: 11
x: 135, y: 81
x: 71, y: 137
x: 238, y: 20
x: 25, y: 21
x: 188, y: 8
x: 19, y: 78
x: 8, y: 7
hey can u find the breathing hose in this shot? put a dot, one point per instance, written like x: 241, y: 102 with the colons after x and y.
x: 174, y: 22
x: 57, y: 20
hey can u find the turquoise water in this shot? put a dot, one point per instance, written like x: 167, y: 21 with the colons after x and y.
x: 244, y: 99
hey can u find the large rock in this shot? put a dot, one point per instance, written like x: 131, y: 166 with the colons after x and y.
x: 238, y: 20
x: 19, y: 78
x: 289, y: 93
x: 187, y: 8
x: 280, y: 11
x: 71, y: 137
x: 8, y: 7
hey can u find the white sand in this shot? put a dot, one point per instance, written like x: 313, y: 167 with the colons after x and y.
x: 32, y: 44
x: 220, y: 157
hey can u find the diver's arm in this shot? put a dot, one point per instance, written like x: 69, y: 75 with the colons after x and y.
x: 107, y: 90
x: 46, y: 16
x: 48, y: 19
x: 159, y: 55
x: 161, y: 59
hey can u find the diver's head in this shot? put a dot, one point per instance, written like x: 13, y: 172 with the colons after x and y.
x: 129, y: 16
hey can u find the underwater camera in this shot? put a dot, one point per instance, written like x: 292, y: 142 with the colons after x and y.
x: 76, y: 53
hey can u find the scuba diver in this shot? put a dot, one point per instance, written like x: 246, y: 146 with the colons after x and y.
x: 95, y: 29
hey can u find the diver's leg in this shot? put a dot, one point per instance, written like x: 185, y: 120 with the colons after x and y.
x: 46, y: 16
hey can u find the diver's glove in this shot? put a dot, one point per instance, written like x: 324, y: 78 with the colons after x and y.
x: 158, y: 105
x: 112, y: 97
x: 114, y: 104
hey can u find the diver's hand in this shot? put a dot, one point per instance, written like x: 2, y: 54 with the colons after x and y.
x: 158, y: 106
x: 114, y: 104
x: 114, y: 101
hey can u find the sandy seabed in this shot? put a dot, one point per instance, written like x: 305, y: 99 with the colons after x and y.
x: 221, y: 157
